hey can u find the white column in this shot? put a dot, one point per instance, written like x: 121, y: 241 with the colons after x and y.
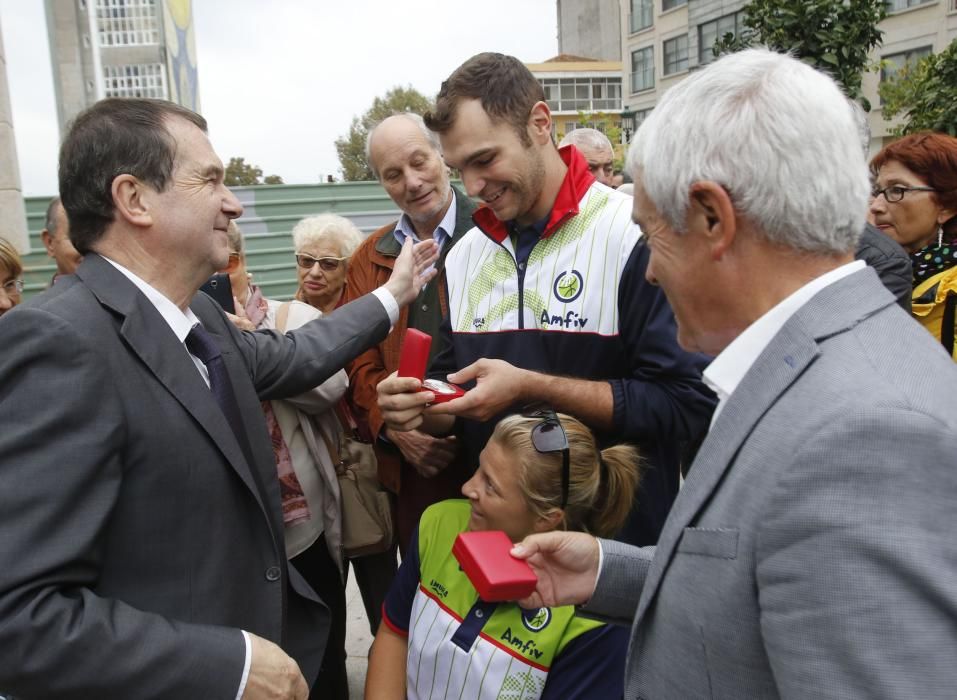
x: 13, y: 217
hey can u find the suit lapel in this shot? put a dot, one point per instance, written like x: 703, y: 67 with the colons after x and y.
x: 834, y: 309
x: 778, y: 367
x: 149, y: 336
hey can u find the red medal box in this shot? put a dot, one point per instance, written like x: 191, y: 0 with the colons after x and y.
x: 413, y: 361
x: 494, y: 572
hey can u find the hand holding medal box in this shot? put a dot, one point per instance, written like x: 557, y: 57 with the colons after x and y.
x: 414, y: 360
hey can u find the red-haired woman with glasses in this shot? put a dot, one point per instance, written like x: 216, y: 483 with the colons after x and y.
x: 915, y: 203
x: 538, y: 472
x: 915, y: 199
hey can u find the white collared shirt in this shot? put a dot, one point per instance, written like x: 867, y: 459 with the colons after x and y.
x: 442, y: 233
x: 179, y: 321
x: 726, y: 371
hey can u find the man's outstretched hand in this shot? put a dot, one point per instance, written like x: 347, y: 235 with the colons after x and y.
x: 566, y: 564
x: 412, y: 270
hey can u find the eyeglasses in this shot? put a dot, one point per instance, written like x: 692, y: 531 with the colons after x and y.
x: 895, y: 193
x: 13, y: 288
x: 233, y: 263
x: 548, y: 436
x: 325, y: 264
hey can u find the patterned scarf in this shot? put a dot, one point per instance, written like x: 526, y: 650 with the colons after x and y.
x: 294, y: 506
x: 931, y: 260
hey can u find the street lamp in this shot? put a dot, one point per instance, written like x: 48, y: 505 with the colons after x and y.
x: 627, y: 125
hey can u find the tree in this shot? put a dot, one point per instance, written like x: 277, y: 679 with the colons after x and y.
x: 925, y: 93
x: 239, y: 172
x: 352, y: 147
x: 835, y: 36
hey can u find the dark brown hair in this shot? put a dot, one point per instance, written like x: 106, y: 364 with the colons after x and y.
x: 114, y: 137
x: 504, y: 86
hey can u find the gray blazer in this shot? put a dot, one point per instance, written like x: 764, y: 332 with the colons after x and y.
x: 811, y: 552
x: 137, y: 538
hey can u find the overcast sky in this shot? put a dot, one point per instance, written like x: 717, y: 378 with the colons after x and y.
x: 279, y: 81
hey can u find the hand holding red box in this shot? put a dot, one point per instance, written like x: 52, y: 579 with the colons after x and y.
x: 414, y: 360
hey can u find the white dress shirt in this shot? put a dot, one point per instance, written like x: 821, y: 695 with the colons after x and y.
x: 728, y: 369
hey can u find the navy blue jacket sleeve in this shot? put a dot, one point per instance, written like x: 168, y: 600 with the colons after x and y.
x: 665, y: 398
x: 590, y: 666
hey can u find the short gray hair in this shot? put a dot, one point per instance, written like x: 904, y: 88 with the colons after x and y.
x: 776, y: 134
x: 327, y: 227
x: 51, y: 223
x: 430, y: 136
x: 591, y: 138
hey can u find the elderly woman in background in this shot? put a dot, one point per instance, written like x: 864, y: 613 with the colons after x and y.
x: 11, y: 286
x: 915, y: 199
x: 324, y: 244
x: 308, y: 484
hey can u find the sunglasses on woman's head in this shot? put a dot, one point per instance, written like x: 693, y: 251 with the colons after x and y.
x: 548, y: 436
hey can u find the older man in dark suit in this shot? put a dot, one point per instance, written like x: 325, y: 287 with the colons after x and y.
x: 142, y: 553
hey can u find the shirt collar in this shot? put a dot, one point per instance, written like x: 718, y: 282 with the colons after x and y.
x: 577, y: 180
x: 181, y: 323
x: 444, y: 231
x: 725, y: 373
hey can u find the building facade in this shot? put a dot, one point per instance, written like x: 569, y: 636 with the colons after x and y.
x: 663, y: 40
x: 121, y: 48
x: 589, y: 28
x: 582, y: 92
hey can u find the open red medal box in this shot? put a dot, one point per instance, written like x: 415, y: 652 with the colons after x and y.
x: 414, y: 360
x: 497, y: 575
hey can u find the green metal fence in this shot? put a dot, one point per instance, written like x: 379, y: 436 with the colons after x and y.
x: 270, y: 213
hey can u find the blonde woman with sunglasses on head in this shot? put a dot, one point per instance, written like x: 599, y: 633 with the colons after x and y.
x: 538, y: 472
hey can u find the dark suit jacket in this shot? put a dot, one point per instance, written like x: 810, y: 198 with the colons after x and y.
x: 138, y: 540
x: 890, y: 262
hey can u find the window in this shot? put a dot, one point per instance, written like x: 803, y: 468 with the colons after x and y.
x: 676, y: 54
x: 642, y: 14
x: 896, y: 5
x: 895, y: 61
x: 672, y: 4
x: 641, y: 115
x: 582, y: 94
x: 643, y: 69
x: 146, y: 80
x: 127, y: 22
x: 710, y: 32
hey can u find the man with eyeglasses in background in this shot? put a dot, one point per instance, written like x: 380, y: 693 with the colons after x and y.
x: 597, y: 150
x: 419, y: 468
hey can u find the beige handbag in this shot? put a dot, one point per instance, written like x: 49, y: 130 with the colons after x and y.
x: 367, y: 526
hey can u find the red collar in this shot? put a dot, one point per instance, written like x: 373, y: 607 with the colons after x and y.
x: 577, y: 181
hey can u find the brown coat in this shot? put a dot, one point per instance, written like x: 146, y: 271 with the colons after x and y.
x: 370, y: 267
